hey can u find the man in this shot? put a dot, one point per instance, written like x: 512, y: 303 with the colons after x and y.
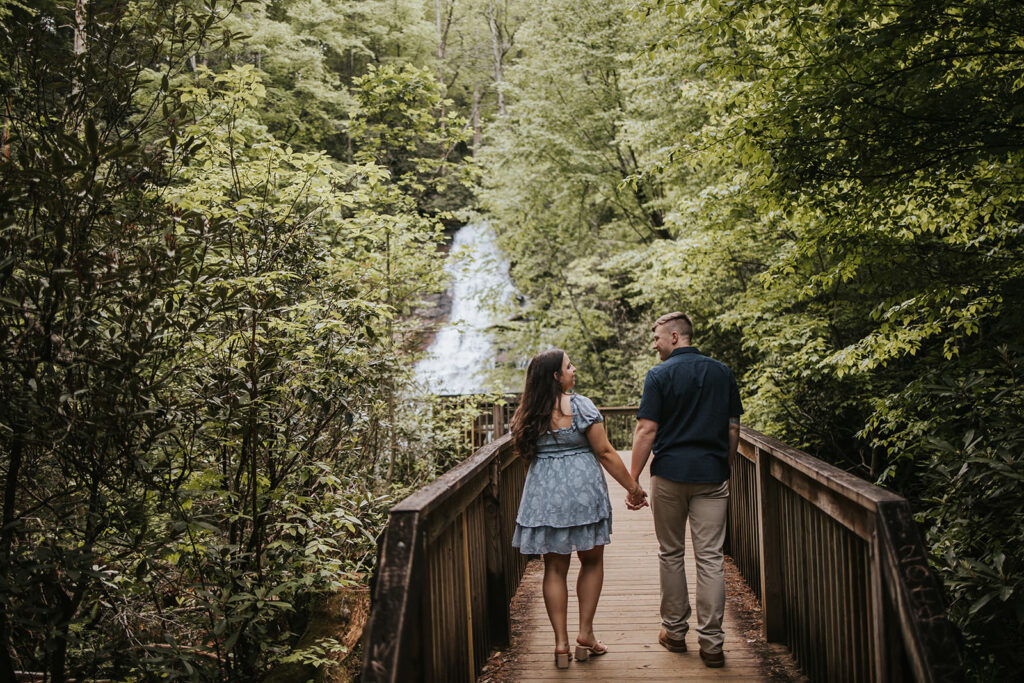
x: 690, y: 416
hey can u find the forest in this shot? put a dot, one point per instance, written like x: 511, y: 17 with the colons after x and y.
x: 221, y: 221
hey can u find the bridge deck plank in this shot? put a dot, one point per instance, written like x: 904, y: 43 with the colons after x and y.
x: 627, y: 617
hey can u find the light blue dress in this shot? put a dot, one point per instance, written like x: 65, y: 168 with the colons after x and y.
x: 565, y: 503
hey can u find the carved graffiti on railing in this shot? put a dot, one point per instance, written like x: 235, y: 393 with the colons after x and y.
x: 926, y: 619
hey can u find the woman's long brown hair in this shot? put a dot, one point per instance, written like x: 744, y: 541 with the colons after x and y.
x: 541, y: 395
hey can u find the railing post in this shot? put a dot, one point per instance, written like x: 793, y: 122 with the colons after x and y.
x: 772, y: 605
x: 499, y: 622
x: 499, y: 421
x: 878, y: 641
x: 393, y: 652
x: 933, y: 651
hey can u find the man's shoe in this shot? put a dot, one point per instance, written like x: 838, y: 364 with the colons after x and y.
x: 712, y: 660
x: 671, y: 644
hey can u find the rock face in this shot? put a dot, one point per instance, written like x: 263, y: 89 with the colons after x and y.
x: 339, y: 616
x: 462, y: 351
x: 433, y: 315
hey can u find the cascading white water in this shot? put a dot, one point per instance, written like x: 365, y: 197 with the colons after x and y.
x: 457, y: 360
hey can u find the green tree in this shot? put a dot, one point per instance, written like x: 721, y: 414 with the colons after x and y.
x: 309, y: 52
x: 401, y: 124
x: 891, y: 143
x: 834, y: 191
x: 89, y: 337
x: 555, y: 183
x: 199, y: 346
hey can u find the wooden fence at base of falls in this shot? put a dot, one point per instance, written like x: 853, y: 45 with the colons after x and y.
x: 837, y: 563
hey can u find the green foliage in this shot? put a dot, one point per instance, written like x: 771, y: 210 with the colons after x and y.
x: 397, y: 125
x: 217, y: 224
x: 958, y: 439
x: 321, y: 653
x: 833, y: 191
x: 308, y: 52
x: 203, y: 347
x: 554, y: 182
x: 287, y: 353
x: 89, y: 333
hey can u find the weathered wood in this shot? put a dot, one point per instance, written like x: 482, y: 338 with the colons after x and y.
x: 499, y: 418
x: 392, y: 651
x: 843, y: 590
x: 828, y: 476
x: 443, y: 605
x: 498, y: 624
x: 846, y: 510
x: 467, y: 587
x: 619, y: 425
x: 437, y: 492
x: 772, y: 608
x: 933, y: 648
x: 747, y: 449
x: 877, y: 604
x: 447, y: 512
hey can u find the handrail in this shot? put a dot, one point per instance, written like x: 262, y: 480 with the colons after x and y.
x: 839, y: 567
x: 447, y: 570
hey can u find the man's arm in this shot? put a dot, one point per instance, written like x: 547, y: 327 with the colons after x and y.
x: 646, y: 429
x: 643, y: 442
x: 734, y: 439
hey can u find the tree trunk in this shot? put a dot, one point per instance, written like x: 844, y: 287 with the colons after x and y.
x: 586, y: 329
x: 476, y: 118
x: 7, y: 536
x: 442, y: 48
x: 5, y: 136
x: 498, y: 50
x: 442, y: 39
x: 79, y: 40
x: 80, y: 26
x: 391, y: 343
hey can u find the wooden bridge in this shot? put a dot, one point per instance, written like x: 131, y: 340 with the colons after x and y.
x: 837, y: 565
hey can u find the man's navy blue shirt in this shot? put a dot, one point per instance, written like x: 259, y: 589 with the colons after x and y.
x: 691, y: 397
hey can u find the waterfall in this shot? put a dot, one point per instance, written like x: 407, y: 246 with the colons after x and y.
x: 456, y: 361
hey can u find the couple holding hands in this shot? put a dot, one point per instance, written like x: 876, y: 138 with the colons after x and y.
x: 689, y: 418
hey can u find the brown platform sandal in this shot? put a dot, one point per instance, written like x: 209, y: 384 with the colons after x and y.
x: 562, y: 659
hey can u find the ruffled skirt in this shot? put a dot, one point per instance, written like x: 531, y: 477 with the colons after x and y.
x: 539, y: 540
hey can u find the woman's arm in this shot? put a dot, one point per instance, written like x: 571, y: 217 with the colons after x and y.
x: 610, y: 460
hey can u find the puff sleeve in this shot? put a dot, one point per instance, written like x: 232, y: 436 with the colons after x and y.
x: 584, y: 413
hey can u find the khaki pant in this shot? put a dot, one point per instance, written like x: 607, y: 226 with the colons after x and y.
x: 706, y: 506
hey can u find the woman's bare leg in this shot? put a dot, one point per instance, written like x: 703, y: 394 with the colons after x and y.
x: 556, y: 596
x: 588, y: 590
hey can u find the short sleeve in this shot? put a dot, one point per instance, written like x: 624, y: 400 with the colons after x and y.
x: 584, y: 413
x: 735, y: 406
x: 650, y: 402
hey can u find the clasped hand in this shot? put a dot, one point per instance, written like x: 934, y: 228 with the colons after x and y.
x: 636, y: 499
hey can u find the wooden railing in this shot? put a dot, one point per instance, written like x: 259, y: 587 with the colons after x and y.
x: 839, y: 568
x: 619, y: 423
x: 448, y: 571
x: 837, y: 563
x: 493, y: 420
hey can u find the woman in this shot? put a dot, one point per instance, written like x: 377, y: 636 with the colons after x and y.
x: 565, y: 502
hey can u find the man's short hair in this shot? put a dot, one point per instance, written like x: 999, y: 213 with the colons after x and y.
x: 677, y: 321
